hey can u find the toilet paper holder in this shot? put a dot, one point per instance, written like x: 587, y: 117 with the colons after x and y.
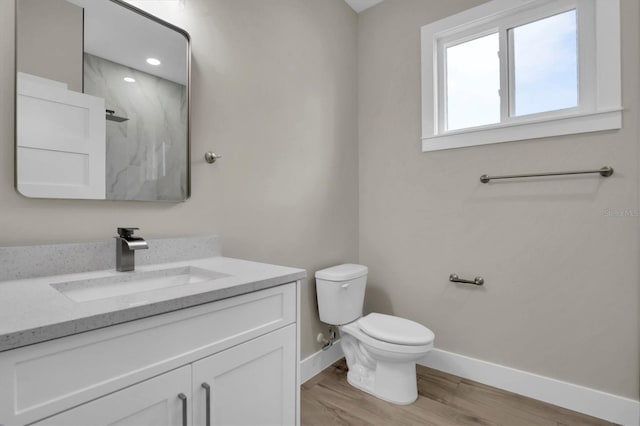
x: 454, y: 278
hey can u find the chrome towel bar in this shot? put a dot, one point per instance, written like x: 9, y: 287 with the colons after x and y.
x: 454, y: 278
x: 605, y: 171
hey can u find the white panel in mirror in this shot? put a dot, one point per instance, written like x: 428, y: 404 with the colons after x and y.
x: 61, y: 149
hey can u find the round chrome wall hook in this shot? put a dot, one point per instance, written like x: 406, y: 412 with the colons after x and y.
x: 211, y: 157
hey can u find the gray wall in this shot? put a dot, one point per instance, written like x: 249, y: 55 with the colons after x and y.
x: 274, y: 92
x: 561, y: 292
x: 56, y: 52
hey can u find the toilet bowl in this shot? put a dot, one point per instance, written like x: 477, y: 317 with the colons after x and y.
x: 384, y: 369
x: 381, y: 350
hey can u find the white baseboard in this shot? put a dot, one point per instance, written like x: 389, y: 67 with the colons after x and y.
x: 317, y: 362
x: 595, y: 403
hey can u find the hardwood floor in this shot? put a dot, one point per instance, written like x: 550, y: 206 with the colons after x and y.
x: 443, y: 399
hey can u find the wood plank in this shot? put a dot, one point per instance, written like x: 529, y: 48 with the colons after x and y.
x: 511, y: 408
x: 443, y: 399
x: 338, y: 397
x: 315, y: 411
x: 437, y: 385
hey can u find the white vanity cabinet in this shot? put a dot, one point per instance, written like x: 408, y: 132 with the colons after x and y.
x: 151, y: 371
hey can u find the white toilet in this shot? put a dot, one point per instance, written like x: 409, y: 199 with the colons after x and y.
x: 381, y: 350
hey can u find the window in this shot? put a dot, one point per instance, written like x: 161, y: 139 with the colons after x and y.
x: 473, y: 83
x: 511, y: 70
x: 545, y: 64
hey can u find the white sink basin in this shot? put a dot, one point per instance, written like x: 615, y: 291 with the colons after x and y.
x: 134, y: 282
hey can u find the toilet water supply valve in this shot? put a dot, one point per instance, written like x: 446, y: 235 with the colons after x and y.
x: 327, y: 343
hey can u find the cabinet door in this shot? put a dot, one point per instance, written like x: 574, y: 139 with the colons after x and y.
x: 250, y: 384
x: 155, y: 402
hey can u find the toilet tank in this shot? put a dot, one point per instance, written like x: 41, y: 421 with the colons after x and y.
x: 340, y: 291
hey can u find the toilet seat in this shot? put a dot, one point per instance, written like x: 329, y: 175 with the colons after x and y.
x: 354, y: 330
x: 395, y: 330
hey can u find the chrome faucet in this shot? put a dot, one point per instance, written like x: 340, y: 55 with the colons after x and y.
x: 126, y: 244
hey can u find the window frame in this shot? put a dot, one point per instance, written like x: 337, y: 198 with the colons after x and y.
x: 599, y: 80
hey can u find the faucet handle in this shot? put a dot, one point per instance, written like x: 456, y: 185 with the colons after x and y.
x: 126, y: 232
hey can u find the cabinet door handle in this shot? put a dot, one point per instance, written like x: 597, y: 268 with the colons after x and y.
x: 183, y: 397
x: 207, y: 390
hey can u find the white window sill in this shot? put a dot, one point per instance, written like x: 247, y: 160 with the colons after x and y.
x: 530, y: 129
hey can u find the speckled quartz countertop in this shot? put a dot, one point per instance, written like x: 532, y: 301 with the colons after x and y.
x: 32, y: 310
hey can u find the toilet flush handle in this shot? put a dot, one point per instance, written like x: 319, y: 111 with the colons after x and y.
x: 345, y: 285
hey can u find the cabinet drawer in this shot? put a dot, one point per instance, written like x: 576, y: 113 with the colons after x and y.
x: 44, y: 379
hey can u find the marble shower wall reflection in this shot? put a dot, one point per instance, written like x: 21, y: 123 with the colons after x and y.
x: 146, y: 155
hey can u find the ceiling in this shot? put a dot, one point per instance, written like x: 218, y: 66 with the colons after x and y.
x: 135, y: 39
x: 360, y: 5
x: 138, y: 38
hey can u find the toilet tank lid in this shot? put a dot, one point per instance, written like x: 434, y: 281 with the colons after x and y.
x: 345, y: 272
x: 396, y: 330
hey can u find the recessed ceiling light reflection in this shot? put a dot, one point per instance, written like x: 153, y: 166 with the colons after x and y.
x: 153, y: 61
x: 130, y: 80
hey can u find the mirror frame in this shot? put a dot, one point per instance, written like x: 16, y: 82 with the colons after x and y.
x: 144, y: 14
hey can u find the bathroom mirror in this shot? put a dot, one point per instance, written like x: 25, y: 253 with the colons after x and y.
x: 102, y: 102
